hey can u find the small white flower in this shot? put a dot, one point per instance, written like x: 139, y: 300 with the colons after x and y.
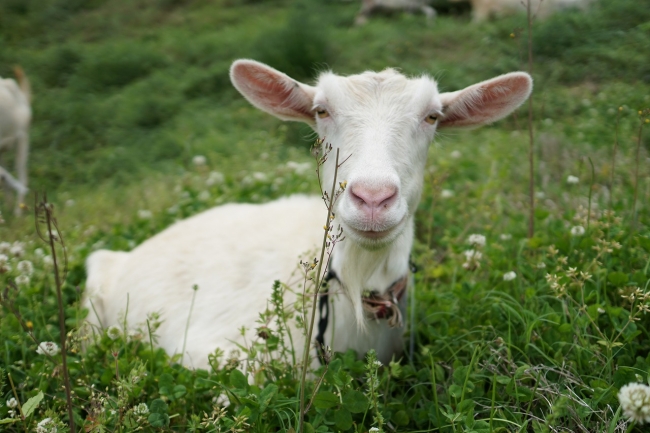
x: 373, y: 430
x: 46, y: 426
x: 572, y: 180
x: 199, y: 160
x: 113, y: 332
x: 378, y: 363
x: 476, y: 240
x: 505, y: 236
x: 25, y: 267
x: 540, y: 194
x: 509, y: 276
x: 48, y: 348
x: 601, y: 310
x: 22, y: 280
x: 446, y: 193
x: 141, y: 409
x: 541, y: 265
x: 260, y: 177
x: 48, y: 261
x: 455, y: 154
x: 39, y: 252
x: 204, y: 195
x: 144, y: 214
x: 299, y: 168
x: 577, y: 231
x: 472, y: 255
x: 70, y: 202
x: 5, y: 247
x: 635, y: 402
x: 17, y: 249
x: 12, y: 403
x: 215, y: 178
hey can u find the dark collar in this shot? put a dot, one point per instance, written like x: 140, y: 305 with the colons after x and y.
x: 376, y: 306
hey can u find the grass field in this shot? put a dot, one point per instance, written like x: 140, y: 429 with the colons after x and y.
x: 127, y: 93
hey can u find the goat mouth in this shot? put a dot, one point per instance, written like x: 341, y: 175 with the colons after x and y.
x: 376, y: 234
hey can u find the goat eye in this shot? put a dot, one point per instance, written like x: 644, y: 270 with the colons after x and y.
x: 431, y: 119
x: 322, y: 114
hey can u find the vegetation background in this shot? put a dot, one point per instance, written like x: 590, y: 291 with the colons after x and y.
x: 126, y: 95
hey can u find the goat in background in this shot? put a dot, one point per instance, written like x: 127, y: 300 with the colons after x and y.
x: 15, y: 117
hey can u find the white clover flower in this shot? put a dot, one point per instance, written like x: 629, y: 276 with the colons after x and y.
x: 509, y: 276
x: 17, y: 249
x: 46, y: 426
x: 141, y: 409
x: 260, y: 177
x: 199, y: 160
x: 572, y: 180
x: 373, y: 430
x: 446, y: 193
x: 48, y: 261
x: 12, y: 403
x: 25, y: 267
x: 541, y: 265
x: 39, y: 252
x: 455, y: 154
x: 70, y: 202
x: 204, y: 195
x: 4, y: 266
x: 472, y: 255
x: 144, y: 214
x: 48, y: 348
x: 22, y: 280
x: 577, y: 231
x: 113, y: 332
x: 635, y: 402
x: 5, y: 247
x: 476, y: 240
x: 505, y: 236
x: 299, y: 168
x: 215, y: 178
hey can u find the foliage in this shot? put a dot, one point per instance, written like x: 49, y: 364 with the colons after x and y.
x: 122, y: 106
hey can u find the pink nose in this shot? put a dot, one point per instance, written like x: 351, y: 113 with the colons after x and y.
x: 373, y: 199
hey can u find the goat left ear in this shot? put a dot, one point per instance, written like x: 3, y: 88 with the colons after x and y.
x: 272, y: 91
x: 485, y: 102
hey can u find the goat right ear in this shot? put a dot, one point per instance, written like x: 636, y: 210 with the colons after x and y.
x: 485, y: 102
x: 272, y: 91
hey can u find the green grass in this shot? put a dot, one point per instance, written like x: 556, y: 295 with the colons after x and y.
x: 127, y: 93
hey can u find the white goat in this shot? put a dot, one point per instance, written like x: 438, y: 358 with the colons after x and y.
x: 368, y: 7
x: 15, y: 116
x: 383, y: 124
x: 485, y: 9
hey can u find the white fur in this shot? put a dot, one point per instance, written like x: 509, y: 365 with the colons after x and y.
x: 235, y: 252
x: 484, y: 9
x: 15, y: 117
x: 368, y: 7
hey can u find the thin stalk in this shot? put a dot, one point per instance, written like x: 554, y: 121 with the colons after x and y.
x: 20, y: 407
x: 531, y: 148
x: 591, y: 187
x: 611, y: 181
x: 59, y: 295
x: 195, y: 289
x: 636, y: 176
x: 310, y: 328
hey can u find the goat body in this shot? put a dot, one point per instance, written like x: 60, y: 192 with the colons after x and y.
x: 15, y: 117
x: 370, y: 7
x: 382, y: 123
x: 484, y: 9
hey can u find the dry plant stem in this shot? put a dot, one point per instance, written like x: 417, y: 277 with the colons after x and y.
x: 47, y: 210
x: 310, y: 328
x: 531, y: 148
x: 611, y: 181
x: 195, y: 288
x: 636, y: 176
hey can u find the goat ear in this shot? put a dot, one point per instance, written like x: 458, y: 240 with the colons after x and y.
x: 485, y: 102
x: 272, y: 91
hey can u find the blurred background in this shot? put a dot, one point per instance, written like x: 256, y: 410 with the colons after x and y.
x: 127, y: 92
